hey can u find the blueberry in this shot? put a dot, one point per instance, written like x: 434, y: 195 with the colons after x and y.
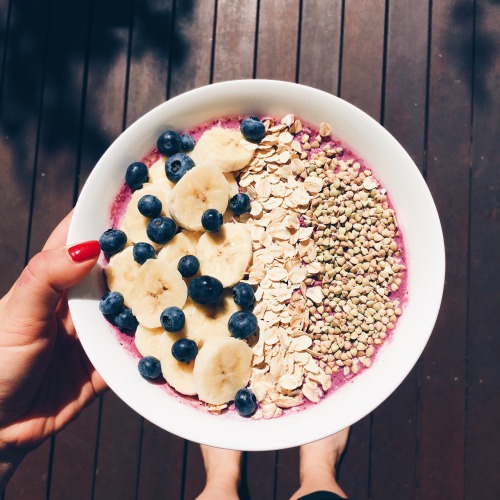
x: 211, y: 220
x: 126, y: 321
x: 112, y: 241
x: 187, y: 143
x: 184, y: 350
x: 136, y: 175
x: 188, y: 266
x: 205, y: 289
x: 243, y: 295
x: 253, y: 129
x: 172, y: 319
x: 240, y: 203
x: 161, y: 230
x: 169, y: 143
x: 142, y: 252
x: 177, y: 166
x: 149, y: 206
x: 111, y: 303
x: 245, y: 402
x: 149, y: 367
x: 242, y: 324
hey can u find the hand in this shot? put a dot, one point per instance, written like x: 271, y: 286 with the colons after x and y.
x: 46, y: 379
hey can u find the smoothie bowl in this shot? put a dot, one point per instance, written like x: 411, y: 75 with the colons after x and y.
x: 273, y: 265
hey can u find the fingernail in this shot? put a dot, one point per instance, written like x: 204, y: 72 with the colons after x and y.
x: 84, y: 251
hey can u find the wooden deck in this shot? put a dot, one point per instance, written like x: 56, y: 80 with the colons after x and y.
x: 75, y: 74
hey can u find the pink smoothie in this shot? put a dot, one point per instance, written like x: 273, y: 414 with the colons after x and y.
x: 120, y: 204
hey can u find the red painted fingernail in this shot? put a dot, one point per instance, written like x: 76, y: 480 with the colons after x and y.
x: 84, y: 251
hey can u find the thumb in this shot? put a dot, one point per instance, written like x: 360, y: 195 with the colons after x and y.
x: 47, y: 275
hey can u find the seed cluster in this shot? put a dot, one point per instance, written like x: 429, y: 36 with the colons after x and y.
x: 355, y: 234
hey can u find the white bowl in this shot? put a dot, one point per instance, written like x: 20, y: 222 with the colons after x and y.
x: 417, y: 216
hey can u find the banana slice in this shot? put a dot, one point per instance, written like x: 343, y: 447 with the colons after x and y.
x: 221, y: 148
x: 147, y: 341
x: 233, y: 185
x: 121, y: 272
x: 157, y: 174
x: 178, y: 375
x: 200, y: 189
x: 157, y: 285
x: 181, y: 244
x: 226, y: 254
x: 204, y: 322
x: 133, y: 222
x: 223, y: 366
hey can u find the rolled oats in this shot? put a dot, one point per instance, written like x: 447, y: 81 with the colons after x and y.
x: 325, y: 260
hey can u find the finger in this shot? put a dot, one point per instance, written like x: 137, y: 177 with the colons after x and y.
x: 36, y: 293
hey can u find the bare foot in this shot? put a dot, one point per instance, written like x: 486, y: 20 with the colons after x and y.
x: 318, y: 462
x: 223, y: 473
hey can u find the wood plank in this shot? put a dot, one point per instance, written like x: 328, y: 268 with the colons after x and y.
x: 287, y: 473
x: 118, y: 450
x: 354, y: 473
x: 396, y: 420
x: 363, y: 54
x: 161, y: 453
x: 53, y: 198
x: 235, y: 39
x: 361, y: 84
x: 73, y: 458
x: 483, y: 370
x: 4, y: 20
x: 60, y: 118
x: 277, y: 45
x: 321, y: 28
x: 442, y: 382
x: 320, y: 53
x: 192, y: 46
x: 277, y: 40
x: 31, y: 477
x: 149, y: 59
x: 22, y: 85
x: 116, y: 468
x: 258, y: 475
x: 20, y: 107
x: 191, y: 62
x: 404, y: 111
x: 106, y: 81
x: 162, y: 461
x: 194, y: 475
x: 233, y: 58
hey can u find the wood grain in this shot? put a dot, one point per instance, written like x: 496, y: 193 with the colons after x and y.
x: 61, y: 113
x: 22, y: 87
x: 395, y: 422
x: 442, y: 380
x: 320, y: 47
x: 483, y: 370
x: 150, y: 49
x: 277, y: 42
x: 235, y: 39
x: 191, y: 63
x: 363, y: 54
x: 361, y: 84
x: 119, y: 426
